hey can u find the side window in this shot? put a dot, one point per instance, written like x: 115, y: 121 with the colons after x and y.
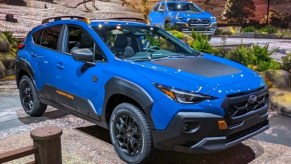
x: 50, y: 37
x: 78, y: 39
x: 156, y: 8
x: 163, y: 7
x: 153, y: 40
x: 37, y: 37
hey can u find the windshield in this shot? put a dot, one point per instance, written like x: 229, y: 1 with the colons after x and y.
x: 142, y: 42
x: 182, y: 7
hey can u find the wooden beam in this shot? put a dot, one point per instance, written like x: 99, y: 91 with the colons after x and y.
x: 18, y: 153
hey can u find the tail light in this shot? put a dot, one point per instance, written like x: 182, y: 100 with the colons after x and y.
x: 20, y: 46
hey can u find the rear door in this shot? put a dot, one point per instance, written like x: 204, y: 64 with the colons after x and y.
x: 45, y: 50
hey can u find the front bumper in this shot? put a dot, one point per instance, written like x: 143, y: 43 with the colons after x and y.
x: 203, y: 29
x: 198, y: 132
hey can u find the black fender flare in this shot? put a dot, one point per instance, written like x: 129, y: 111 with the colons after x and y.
x: 124, y: 87
x: 22, y: 65
x: 168, y: 19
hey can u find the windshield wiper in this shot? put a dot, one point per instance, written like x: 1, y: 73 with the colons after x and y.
x: 140, y: 59
x: 169, y: 57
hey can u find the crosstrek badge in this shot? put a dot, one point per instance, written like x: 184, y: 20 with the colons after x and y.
x: 65, y: 94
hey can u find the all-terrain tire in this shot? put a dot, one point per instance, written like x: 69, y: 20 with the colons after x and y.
x: 29, y: 99
x: 130, y: 134
x: 167, y: 25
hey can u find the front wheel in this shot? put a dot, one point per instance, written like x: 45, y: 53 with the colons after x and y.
x: 167, y: 25
x: 130, y: 133
x: 29, y: 99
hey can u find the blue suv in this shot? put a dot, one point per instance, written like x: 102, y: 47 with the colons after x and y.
x: 147, y: 87
x: 184, y: 16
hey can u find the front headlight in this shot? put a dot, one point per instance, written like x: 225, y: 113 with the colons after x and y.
x: 178, y: 17
x: 183, y: 96
x: 213, y: 19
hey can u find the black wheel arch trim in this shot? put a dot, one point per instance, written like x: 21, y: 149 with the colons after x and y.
x: 168, y: 19
x: 124, y: 87
x: 22, y: 65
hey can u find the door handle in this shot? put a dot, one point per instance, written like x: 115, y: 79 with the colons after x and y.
x: 33, y: 55
x: 60, y: 66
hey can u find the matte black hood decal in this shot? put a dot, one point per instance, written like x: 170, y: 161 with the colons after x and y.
x: 199, y: 66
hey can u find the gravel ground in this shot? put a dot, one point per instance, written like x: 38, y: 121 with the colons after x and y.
x: 83, y: 142
x: 77, y: 147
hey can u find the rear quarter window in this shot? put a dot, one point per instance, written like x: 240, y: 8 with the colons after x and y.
x: 50, y: 37
x: 156, y: 8
x: 37, y: 37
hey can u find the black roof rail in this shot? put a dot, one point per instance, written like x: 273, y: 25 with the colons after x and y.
x: 83, y: 18
x: 61, y: 18
x: 126, y: 19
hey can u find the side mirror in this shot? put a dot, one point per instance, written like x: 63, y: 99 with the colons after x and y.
x: 82, y: 54
x: 161, y: 10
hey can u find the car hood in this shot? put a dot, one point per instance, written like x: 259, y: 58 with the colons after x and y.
x: 192, y: 15
x: 198, y: 74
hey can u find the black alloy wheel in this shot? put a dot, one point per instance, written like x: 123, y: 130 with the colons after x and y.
x: 130, y: 134
x: 27, y: 96
x: 29, y: 99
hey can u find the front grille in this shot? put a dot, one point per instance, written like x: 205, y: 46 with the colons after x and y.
x: 199, y: 21
x: 244, y: 106
x: 244, y: 93
x: 250, y: 130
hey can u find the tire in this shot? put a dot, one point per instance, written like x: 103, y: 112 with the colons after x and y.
x: 167, y: 25
x: 29, y: 99
x: 130, y: 134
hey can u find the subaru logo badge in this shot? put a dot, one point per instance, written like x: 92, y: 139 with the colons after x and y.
x: 253, y: 99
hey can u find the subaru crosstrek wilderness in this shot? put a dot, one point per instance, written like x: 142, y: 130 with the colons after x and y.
x: 184, y: 16
x: 147, y: 87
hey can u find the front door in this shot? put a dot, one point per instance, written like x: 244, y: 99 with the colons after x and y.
x: 78, y: 85
x: 161, y: 15
x: 153, y: 15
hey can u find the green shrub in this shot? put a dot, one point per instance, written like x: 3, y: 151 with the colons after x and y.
x: 249, y: 29
x: 221, y: 51
x: 268, y: 30
x: 11, y: 48
x: 179, y: 35
x: 201, y: 43
x: 182, y: 36
x: 262, y: 53
x: 242, y: 55
x: 12, y: 40
x: 255, y: 57
x: 265, y: 65
x: 218, y: 32
x: 4, y: 43
x: 286, y: 62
